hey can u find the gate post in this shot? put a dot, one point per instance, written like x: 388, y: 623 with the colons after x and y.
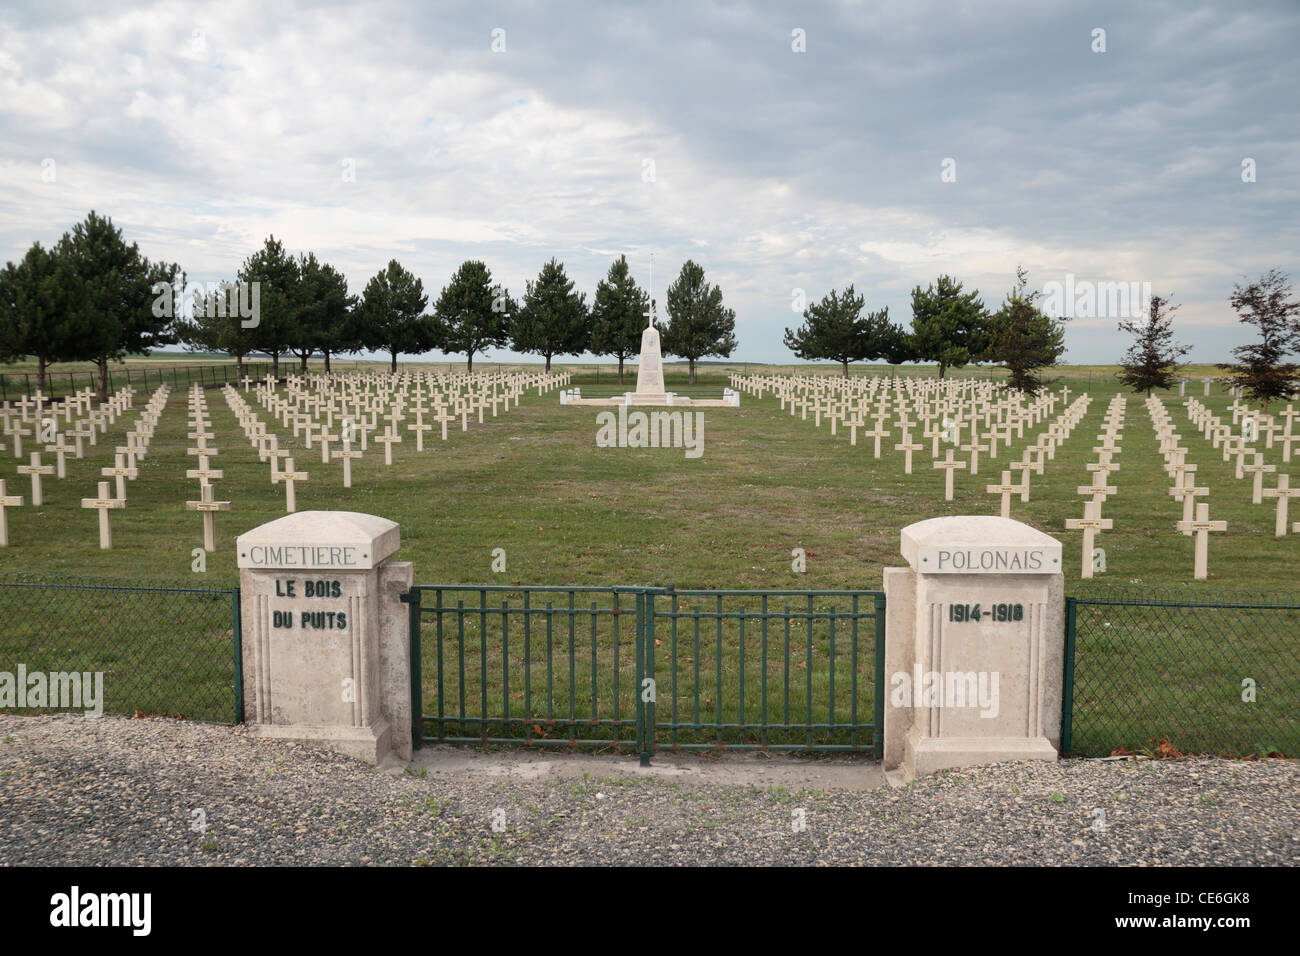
x: 326, y: 649
x: 974, y: 646
x: 412, y: 601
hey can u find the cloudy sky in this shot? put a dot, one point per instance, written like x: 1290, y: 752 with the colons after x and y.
x: 879, y: 144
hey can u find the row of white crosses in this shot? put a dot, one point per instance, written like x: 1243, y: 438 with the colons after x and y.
x: 942, y: 411
x: 1185, y: 488
x: 267, y: 446
x: 365, y: 396
x: 1253, y: 423
x: 16, y: 416
x: 1092, y: 521
x: 125, y: 461
x: 198, y: 432
x: 358, y: 402
x: 1034, y: 457
x: 85, y: 424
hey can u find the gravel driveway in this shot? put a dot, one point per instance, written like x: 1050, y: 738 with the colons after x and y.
x: 122, y: 791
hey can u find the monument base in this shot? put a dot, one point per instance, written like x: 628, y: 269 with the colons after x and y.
x: 931, y: 754
x: 371, y: 744
x: 659, y: 399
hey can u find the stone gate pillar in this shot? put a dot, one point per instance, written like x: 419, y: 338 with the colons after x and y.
x: 326, y: 640
x: 974, y: 646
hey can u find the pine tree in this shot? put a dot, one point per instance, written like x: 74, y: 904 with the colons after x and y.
x: 324, y: 311
x: 618, y: 315
x: 1024, y: 338
x: 698, y: 323
x: 948, y: 327
x: 836, y: 329
x: 472, y: 313
x: 552, y: 319
x: 34, y: 315
x: 392, y: 314
x: 1151, y: 362
x: 1261, y: 371
x: 110, y: 292
x: 276, y: 273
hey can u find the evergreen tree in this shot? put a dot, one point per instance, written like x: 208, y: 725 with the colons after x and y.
x: 324, y: 312
x: 472, y: 314
x: 276, y: 273
x: 552, y: 319
x: 1267, y: 305
x: 34, y: 315
x: 110, y: 293
x: 1152, y: 359
x: 698, y: 323
x: 1024, y: 338
x: 948, y: 327
x: 392, y: 314
x: 836, y: 329
x: 618, y: 315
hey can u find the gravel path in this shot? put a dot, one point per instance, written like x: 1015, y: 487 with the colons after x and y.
x: 121, y: 791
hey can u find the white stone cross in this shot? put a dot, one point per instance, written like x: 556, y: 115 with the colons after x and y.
x: 121, y: 471
x: 1186, y: 492
x: 6, y: 501
x: 203, y: 473
x: 17, y: 431
x: 1283, y: 493
x: 1089, y: 524
x: 104, y: 504
x: 1257, y: 470
x: 948, y: 465
x: 289, y: 476
x: 974, y: 447
x: 209, y: 508
x: 1006, y: 489
x: 877, y: 433
x: 347, y: 454
x: 907, y: 446
x: 1202, y: 526
x: 1099, y: 490
x: 35, y: 470
x: 388, y: 438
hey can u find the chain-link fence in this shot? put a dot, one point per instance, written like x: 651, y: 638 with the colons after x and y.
x: 1204, y: 673
x: 133, y: 648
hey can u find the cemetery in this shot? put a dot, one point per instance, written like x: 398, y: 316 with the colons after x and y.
x: 544, y: 407
x: 504, y: 499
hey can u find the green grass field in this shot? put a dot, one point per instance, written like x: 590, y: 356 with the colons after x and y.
x: 533, y: 483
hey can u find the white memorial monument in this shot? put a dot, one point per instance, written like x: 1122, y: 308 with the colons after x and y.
x: 650, y: 375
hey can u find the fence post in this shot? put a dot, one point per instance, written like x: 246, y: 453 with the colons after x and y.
x: 412, y: 599
x: 648, y: 639
x: 239, y: 657
x: 638, y: 671
x: 878, y: 692
x: 1067, y: 688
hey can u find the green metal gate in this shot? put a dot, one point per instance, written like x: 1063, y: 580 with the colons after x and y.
x: 639, y: 670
